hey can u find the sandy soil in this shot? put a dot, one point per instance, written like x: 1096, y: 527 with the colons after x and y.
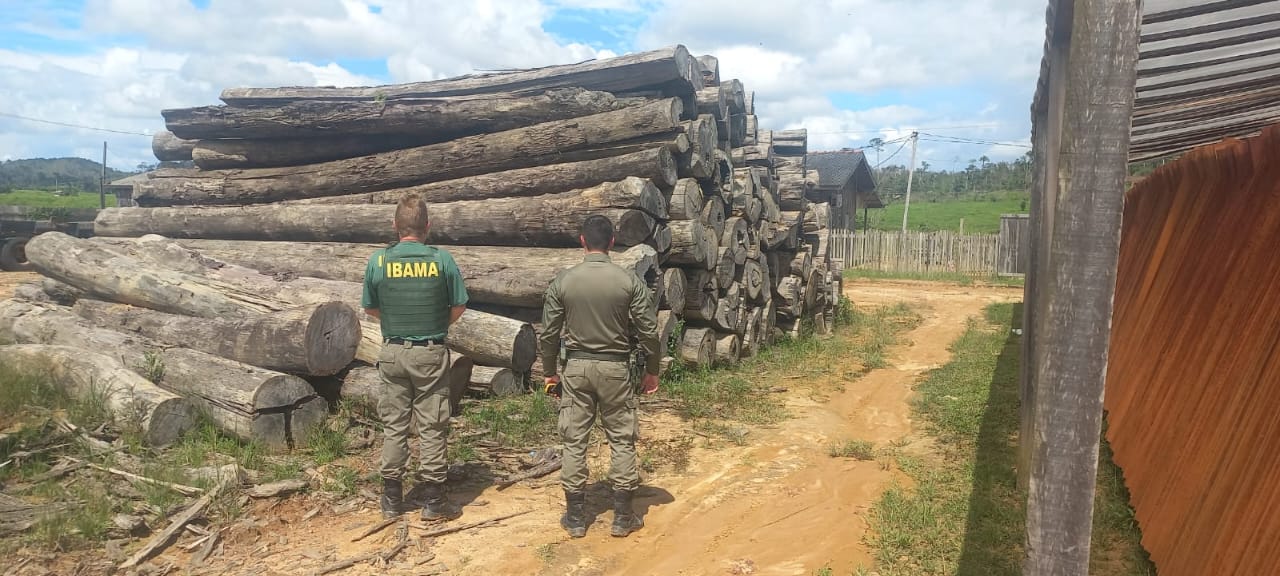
x: 10, y: 280
x: 777, y: 506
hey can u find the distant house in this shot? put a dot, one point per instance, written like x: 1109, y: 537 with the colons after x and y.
x: 846, y: 183
x: 123, y: 188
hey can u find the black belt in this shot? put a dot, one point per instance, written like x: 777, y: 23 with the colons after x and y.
x: 602, y: 356
x: 428, y: 342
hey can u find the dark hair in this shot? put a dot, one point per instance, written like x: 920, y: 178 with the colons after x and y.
x: 597, y: 232
x: 411, y: 217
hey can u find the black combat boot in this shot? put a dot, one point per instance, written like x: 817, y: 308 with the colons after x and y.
x: 574, y: 520
x: 625, y: 520
x: 392, y: 502
x: 437, y: 507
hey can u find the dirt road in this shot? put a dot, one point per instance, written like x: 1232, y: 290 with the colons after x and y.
x: 779, y: 505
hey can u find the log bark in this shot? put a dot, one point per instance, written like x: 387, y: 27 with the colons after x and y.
x: 282, y: 152
x: 493, y: 275
x: 552, y: 220
x: 672, y: 67
x: 813, y: 286
x: 728, y: 349
x: 688, y: 243
x: 660, y: 240
x: 726, y: 316
x: 170, y: 148
x: 656, y: 163
x: 160, y: 415
x: 754, y: 334
x: 714, y: 101
x: 735, y: 237
x: 163, y: 276
x: 791, y: 194
x: 703, y: 137
x: 314, y: 340
x: 247, y: 402
x: 701, y: 294
x: 520, y: 148
x: 686, y: 200
x: 425, y: 120
x: 497, y: 381
x: 697, y: 347
x: 674, y: 286
x: 667, y: 324
x: 737, y: 96
x: 754, y: 279
x: 710, y: 67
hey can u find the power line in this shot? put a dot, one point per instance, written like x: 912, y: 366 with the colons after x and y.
x: 895, y: 153
x: 895, y: 129
x: 70, y: 125
x: 962, y: 140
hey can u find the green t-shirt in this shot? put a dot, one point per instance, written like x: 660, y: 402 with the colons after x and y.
x: 413, y: 286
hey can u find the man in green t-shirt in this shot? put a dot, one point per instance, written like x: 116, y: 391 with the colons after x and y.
x: 416, y: 293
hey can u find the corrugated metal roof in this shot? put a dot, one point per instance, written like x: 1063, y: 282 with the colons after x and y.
x: 1206, y: 71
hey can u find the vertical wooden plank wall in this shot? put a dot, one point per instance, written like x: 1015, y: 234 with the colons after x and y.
x: 1193, y: 389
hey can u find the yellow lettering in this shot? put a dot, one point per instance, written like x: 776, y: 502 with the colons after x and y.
x: 397, y: 269
x: 419, y: 269
x: 380, y: 261
x: 433, y: 271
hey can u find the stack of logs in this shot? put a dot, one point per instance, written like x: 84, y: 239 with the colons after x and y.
x: 246, y: 269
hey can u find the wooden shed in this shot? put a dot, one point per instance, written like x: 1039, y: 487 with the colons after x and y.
x: 846, y: 183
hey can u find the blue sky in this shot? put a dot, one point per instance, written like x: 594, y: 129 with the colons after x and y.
x: 848, y: 70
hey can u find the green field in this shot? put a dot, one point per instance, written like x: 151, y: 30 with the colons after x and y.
x: 979, y: 215
x: 46, y: 199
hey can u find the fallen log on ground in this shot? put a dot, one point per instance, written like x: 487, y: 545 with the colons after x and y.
x: 519, y: 148
x: 314, y: 340
x: 511, y: 276
x: 431, y: 120
x: 250, y: 403
x: 655, y: 164
x: 697, y: 347
x: 670, y: 67
x: 551, y: 220
x: 161, y: 416
x: 496, y: 381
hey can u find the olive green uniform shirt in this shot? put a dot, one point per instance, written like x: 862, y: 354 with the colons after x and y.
x: 413, y: 284
x: 596, y: 307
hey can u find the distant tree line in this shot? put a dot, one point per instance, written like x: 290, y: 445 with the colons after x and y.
x: 67, y: 174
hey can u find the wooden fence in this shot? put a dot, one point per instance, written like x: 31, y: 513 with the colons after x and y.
x: 926, y: 252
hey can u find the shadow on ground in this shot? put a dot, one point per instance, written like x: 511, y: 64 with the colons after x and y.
x: 995, y: 527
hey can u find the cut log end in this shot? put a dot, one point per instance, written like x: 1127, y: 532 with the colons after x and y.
x: 332, y: 336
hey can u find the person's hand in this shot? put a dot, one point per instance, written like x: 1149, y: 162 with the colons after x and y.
x: 551, y: 385
x: 650, y: 384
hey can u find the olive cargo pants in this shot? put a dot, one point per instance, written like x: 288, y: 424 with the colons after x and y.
x: 588, y: 387
x: 414, y: 384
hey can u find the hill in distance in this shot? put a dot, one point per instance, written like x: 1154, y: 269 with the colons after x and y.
x: 48, y: 173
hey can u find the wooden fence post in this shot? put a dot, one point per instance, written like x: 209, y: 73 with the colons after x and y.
x: 1082, y: 138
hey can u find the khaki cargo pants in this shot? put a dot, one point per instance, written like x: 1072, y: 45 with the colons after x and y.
x: 591, y: 386
x: 414, y: 384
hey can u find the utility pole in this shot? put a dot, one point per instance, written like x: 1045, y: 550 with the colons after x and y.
x: 101, y: 183
x: 911, y: 172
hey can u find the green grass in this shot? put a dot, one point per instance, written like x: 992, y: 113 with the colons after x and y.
x: 519, y: 421
x: 964, y: 514
x: 46, y: 199
x: 856, y: 449
x: 952, y: 277
x: 980, y: 216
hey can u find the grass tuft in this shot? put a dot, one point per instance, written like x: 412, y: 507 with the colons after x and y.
x: 857, y: 449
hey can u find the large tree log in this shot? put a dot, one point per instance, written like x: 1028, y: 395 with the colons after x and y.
x: 163, y: 276
x: 802, y: 264
x: 314, y: 340
x: 701, y: 294
x: 552, y: 220
x: 710, y: 67
x: 496, y: 381
x: 791, y: 194
x: 660, y: 240
x: 754, y: 332
x: 704, y: 137
x: 470, y: 156
x: 735, y: 237
x: 161, y: 416
x: 247, y: 402
x: 170, y: 148
x: 688, y: 243
x: 713, y: 100
x: 686, y: 200
x: 713, y: 215
x: 728, y: 349
x: 508, y: 276
x: 667, y: 324
x: 726, y: 268
x: 697, y: 347
x: 672, y: 295
x: 426, y: 120
x: 671, y: 68
x: 656, y: 164
x: 239, y: 154
x: 754, y: 279
x: 726, y: 316
x: 791, y: 294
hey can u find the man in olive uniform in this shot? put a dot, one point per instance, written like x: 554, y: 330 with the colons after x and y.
x: 597, y: 307
x: 416, y: 292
